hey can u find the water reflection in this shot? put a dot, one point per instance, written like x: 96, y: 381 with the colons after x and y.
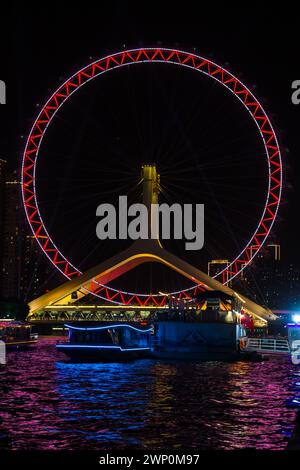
x: 48, y: 403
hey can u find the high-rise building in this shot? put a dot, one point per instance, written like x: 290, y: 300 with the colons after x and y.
x: 12, y: 240
x: 24, y: 270
x: 275, y: 251
x: 30, y: 275
x: 272, y: 281
x: 215, y: 266
x: 261, y: 278
x: 270, y: 253
x: 3, y: 165
x: 292, y: 287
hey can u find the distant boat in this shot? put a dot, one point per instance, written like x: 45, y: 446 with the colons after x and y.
x: 17, y: 334
x: 109, y: 342
x: 294, y: 341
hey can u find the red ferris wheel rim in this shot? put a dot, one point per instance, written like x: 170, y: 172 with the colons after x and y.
x: 124, y: 58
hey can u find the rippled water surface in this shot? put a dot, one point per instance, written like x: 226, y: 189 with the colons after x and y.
x: 48, y: 403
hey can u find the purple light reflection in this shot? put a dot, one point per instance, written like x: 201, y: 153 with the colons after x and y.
x: 48, y: 403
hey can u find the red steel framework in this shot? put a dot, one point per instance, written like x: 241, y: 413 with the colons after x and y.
x: 97, y: 68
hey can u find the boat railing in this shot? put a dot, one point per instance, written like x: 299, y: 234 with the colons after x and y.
x: 268, y: 345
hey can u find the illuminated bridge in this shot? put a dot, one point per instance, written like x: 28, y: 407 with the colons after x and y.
x: 64, y: 303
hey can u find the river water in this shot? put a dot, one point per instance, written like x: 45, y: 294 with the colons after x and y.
x: 48, y: 403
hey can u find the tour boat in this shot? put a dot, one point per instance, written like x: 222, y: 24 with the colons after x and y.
x: 108, y: 342
x: 17, y: 334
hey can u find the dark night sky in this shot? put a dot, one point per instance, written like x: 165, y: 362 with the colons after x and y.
x: 259, y: 45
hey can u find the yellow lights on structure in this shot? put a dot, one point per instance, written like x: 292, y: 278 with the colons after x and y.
x: 219, y: 261
x: 104, y: 307
x: 239, y: 297
x: 277, y: 251
x: 216, y: 262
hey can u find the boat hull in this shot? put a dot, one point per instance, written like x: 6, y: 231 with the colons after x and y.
x: 208, y: 356
x: 100, y: 354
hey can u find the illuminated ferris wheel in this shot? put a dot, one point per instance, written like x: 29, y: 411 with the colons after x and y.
x: 231, y: 85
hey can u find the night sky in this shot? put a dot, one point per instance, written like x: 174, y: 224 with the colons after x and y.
x: 48, y: 44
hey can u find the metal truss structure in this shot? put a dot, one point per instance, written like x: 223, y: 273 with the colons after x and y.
x: 85, y: 314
